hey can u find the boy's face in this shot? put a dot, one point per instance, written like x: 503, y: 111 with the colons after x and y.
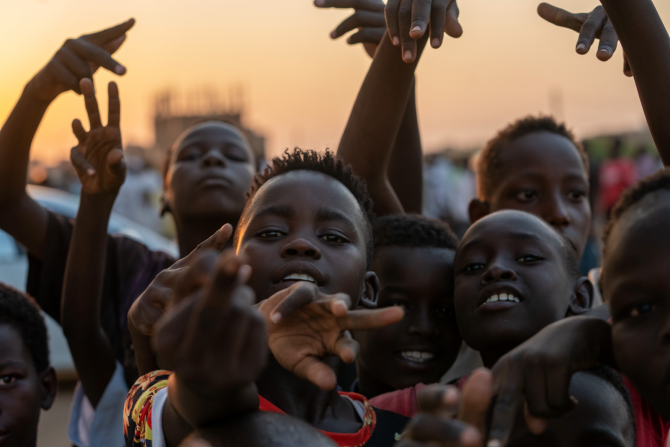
x: 210, y: 172
x: 600, y: 419
x: 421, y: 347
x: 306, y: 226
x: 544, y: 175
x: 23, y: 391
x: 511, y: 281
x: 637, y: 286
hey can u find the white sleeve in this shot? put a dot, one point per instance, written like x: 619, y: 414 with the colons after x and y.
x: 102, y: 426
x: 157, y: 418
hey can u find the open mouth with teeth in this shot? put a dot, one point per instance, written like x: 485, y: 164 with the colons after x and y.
x: 416, y: 356
x: 299, y: 277
x: 503, y: 297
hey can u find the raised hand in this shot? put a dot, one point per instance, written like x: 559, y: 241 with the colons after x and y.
x: 149, y: 307
x: 78, y: 59
x: 211, y: 336
x: 537, y: 373
x: 305, y: 326
x: 408, y: 21
x: 98, y: 159
x: 368, y: 19
x: 590, y: 26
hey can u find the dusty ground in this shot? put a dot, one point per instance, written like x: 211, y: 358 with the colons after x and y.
x: 53, y: 423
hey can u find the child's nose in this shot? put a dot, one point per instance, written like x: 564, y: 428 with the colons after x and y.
x: 498, y: 272
x: 213, y: 158
x: 300, y: 247
x: 556, y: 213
x: 422, y: 323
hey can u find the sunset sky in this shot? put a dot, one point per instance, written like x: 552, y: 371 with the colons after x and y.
x: 301, y: 85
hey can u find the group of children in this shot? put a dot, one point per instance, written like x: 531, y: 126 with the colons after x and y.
x: 313, y: 305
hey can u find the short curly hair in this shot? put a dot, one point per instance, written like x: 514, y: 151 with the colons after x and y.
x: 489, y: 171
x: 656, y: 182
x: 409, y: 230
x: 326, y: 163
x: 19, y: 311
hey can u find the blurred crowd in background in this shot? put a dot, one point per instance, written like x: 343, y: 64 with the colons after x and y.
x: 616, y: 162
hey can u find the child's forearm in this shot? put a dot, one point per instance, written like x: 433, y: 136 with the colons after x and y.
x: 185, y: 406
x: 370, y: 134
x: 405, y: 171
x: 20, y: 216
x: 82, y: 292
x: 647, y: 45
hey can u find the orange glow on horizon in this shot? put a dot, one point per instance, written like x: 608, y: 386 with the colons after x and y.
x: 301, y: 85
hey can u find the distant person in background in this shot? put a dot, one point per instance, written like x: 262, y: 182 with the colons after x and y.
x: 616, y: 174
x: 646, y: 163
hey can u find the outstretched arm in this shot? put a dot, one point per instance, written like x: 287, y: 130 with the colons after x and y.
x: 646, y: 43
x: 371, y: 132
x: 21, y: 216
x: 98, y: 160
x: 405, y: 168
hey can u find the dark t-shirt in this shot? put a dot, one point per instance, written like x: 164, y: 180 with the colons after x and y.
x: 129, y: 269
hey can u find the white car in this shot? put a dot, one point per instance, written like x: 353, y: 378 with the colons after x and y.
x: 14, y: 260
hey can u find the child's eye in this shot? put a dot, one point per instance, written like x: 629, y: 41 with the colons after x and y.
x: 642, y: 310
x: 526, y: 195
x: 236, y: 155
x: 470, y: 268
x: 7, y: 380
x: 527, y: 259
x: 576, y: 195
x: 445, y: 311
x: 269, y: 234
x: 334, y: 239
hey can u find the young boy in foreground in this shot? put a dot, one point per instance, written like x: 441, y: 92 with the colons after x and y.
x: 27, y: 381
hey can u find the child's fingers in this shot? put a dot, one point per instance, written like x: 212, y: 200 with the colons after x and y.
x: 320, y: 374
x: 405, y: 26
x: 170, y: 331
x: 359, y: 19
x: 371, y: 319
x: 422, y: 10
x: 116, y: 163
x: 453, y: 27
x: 115, y: 44
x: 438, y: 22
x: 608, y: 42
x: 508, y: 384
x: 69, y: 56
x: 347, y: 348
x: 536, y: 425
x: 299, y: 295
x: 81, y: 165
x: 438, y: 398
x: 626, y: 67
x: 216, y: 241
x: 476, y: 399
x: 195, y: 276
x: 95, y: 54
x: 590, y: 30
x: 114, y: 105
x: 438, y: 431
x: 366, y: 5
x: 91, y: 103
x: 79, y: 132
x: 557, y: 393
x: 64, y: 76
x: 367, y: 35
x: 561, y: 17
x: 391, y: 14
x: 218, y: 294
x: 337, y: 305
x: 107, y: 35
